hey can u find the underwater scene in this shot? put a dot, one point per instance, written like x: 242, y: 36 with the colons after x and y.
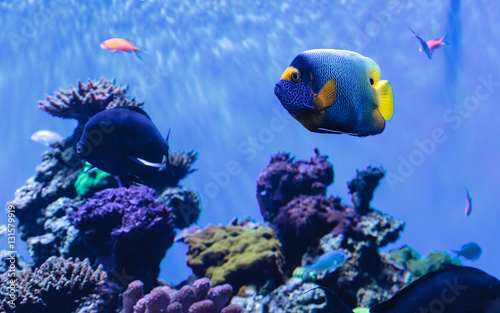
x: 250, y: 156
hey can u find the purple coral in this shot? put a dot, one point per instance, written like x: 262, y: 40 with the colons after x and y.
x: 198, y: 298
x: 88, y: 100
x: 127, y: 230
x: 283, y: 179
x: 305, y: 219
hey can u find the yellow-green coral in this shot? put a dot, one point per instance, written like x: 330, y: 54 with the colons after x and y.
x: 232, y: 254
x: 93, y: 181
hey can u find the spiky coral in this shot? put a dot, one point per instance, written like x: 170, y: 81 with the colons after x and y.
x: 88, y: 100
x: 180, y: 167
x: 58, y: 285
x: 201, y: 297
x: 128, y: 230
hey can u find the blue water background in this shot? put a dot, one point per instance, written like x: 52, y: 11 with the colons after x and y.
x: 209, y: 77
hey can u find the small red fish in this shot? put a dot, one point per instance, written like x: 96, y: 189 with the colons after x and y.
x: 120, y: 44
x: 468, y: 208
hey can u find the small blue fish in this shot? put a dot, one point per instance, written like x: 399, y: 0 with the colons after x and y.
x: 325, y: 264
x: 124, y: 141
x: 46, y: 137
x: 336, y: 91
x: 470, y: 251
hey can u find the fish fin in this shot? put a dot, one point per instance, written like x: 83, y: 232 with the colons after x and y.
x: 137, y: 55
x: 91, y: 169
x: 386, y: 99
x: 325, y: 130
x: 136, y: 109
x: 326, y: 96
x: 167, y: 157
x: 136, y: 179
x: 145, y: 162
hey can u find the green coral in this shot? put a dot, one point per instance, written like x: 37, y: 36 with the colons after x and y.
x: 87, y: 184
x: 233, y: 254
x: 418, y: 267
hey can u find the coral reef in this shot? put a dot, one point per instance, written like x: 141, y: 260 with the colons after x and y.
x: 185, y: 204
x: 58, y: 285
x: 368, y: 277
x: 60, y: 237
x: 88, y: 183
x: 89, y: 99
x: 234, y: 255
x: 200, y: 297
x: 363, y: 186
x: 283, y: 179
x: 54, y: 178
x: 417, y: 266
x: 293, y: 297
x: 127, y: 230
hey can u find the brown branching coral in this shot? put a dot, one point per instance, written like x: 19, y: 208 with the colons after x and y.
x: 90, y: 98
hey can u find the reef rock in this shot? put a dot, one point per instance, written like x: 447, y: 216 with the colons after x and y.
x: 363, y: 186
x: 185, y: 205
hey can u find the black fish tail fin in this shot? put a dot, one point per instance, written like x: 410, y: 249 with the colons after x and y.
x: 169, y: 166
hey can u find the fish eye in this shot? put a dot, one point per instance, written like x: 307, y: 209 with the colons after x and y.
x: 371, y: 81
x: 295, y: 77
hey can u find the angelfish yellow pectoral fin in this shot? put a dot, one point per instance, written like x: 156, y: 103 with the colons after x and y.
x: 386, y: 99
x: 326, y: 96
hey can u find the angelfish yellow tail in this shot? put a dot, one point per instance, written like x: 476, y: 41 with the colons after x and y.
x: 386, y: 99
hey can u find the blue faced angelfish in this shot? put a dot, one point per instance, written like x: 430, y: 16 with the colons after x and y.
x: 336, y: 91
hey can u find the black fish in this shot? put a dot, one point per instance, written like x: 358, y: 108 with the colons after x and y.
x: 124, y: 141
x: 457, y: 289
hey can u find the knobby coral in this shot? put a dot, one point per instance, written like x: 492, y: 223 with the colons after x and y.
x: 58, y: 285
x: 127, y: 230
x: 283, y: 179
x: 234, y: 255
x: 200, y: 297
x: 89, y: 99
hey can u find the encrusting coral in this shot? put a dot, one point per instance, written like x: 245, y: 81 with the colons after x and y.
x: 235, y: 255
x: 418, y: 267
x: 89, y: 99
x: 200, y: 297
x: 127, y: 230
x: 58, y: 285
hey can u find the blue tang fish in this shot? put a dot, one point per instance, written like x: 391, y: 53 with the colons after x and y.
x: 124, y: 141
x: 471, y: 251
x: 457, y: 289
x: 336, y: 91
x: 325, y: 264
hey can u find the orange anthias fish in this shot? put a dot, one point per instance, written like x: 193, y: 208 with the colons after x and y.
x: 120, y: 44
x: 436, y: 43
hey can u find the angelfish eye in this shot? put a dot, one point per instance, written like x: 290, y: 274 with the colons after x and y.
x: 295, y: 77
x: 371, y: 81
